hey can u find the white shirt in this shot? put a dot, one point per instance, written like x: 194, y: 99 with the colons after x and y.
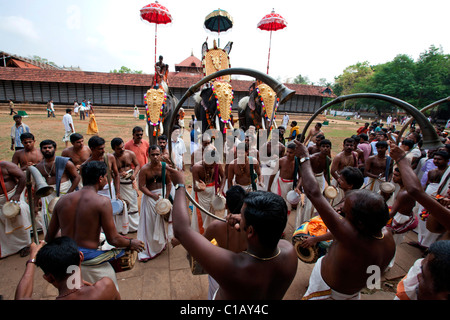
x: 67, y: 120
x: 178, y: 149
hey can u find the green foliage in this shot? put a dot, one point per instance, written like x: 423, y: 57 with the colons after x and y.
x: 126, y: 70
x: 418, y: 82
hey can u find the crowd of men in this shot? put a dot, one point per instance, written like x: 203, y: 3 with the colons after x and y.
x: 252, y: 192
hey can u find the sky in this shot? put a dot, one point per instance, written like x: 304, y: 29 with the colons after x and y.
x: 321, y: 39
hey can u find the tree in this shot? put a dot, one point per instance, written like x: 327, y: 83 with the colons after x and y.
x: 301, y: 80
x: 126, y: 70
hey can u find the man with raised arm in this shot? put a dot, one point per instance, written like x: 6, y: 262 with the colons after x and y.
x: 360, y: 240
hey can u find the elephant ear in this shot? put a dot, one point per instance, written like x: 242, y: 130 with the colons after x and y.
x: 204, y: 48
x: 227, y: 48
x: 251, y: 100
x: 243, y: 103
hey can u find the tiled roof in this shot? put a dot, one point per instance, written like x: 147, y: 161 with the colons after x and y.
x: 189, y: 61
x: 176, y: 79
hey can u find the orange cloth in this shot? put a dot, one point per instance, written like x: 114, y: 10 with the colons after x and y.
x: 317, y: 227
x: 141, y: 150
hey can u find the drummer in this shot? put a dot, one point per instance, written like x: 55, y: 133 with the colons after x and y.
x: 14, y: 233
x: 151, y: 229
x: 126, y: 159
x: 82, y: 215
x: 379, y: 166
x: 208, y: 180
x: 78, y: 152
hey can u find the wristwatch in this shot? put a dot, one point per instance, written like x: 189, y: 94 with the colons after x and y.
x: 33, y: 261
x: 303, y: 159
x: 179, y: 185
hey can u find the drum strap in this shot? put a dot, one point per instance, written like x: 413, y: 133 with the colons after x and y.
x: 294, y: 184
x: 388, y: 165
x: 216, y: 177
x: 163, y: 176
x: 2, y: 181
x: 108, y: 174
x: 252, y: 174
x: 60, y: 166
x: 327, y: 171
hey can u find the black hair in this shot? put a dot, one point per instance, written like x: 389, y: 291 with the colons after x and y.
x: 26, y: 135
x: 408, y: 143
x: 364, y: 137
x: 162, y: 137
x: 325, y: 141
x: 47, y: 142
x: 369, y: 211
x: 68, y: 110
x: 349, y: 140
x: 137, y: 129
x: 353, y: 176
x: 439, y: 265
x: 116, y: 142
x: 381, y: 144
x: 235, y: 199
x: 153, y: 147
x: 57, y: 256
x: 266, y: 212
x: 74, y: 137
x: 443, y: 154
x: 95, y: 142
x: 92, y: 171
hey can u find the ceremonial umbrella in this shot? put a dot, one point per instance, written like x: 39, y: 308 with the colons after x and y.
x: 272, y: 22
x: 157, y: 14
x: 218, y: 21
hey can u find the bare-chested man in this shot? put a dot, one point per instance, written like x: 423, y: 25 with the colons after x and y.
x: 377, y: 165
x: 360, y: 239
x: 401, y: 213
x: 320, y: 164
x: 265, y: 270
x: 29, y: 156
x: 239, y: 170
x: 126, y: 160
x: 14, y: 235
x: 78, y: 152
x: 313, y: 133
x: 316, y: 147
x: 152, y: 229
x: 286, y: 176
x: 165, y: 155
x: 82, y: 215
x: 57, y: 172
x: 208, y: 180
x: 112, y: 188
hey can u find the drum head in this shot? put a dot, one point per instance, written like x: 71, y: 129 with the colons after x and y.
x: 307, y: 255
x: 387, y: 187
x: 163, y: 206
x: 330, y: 192
x: 10, y: 210
x: 117, y: 206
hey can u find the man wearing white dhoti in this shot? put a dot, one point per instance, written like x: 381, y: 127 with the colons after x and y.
x: 112, y: 188
x: 14, y: 232
x: 126, y: 160
x: 437, y: 184
x: 378, y: 167
x: 208, y: 180
x: 154, y: 182
x: 57, y: 172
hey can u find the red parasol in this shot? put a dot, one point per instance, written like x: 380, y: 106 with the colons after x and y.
x: 272, y: 22
x: 157, y: 14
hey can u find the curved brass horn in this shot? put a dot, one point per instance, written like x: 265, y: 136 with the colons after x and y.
x: 42, y: 190
x: 428, y: 107
x: 283, y: 93
x: 430, y: 137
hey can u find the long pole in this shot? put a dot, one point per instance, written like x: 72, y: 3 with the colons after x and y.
x: 156, y: 37
x: 270, y: 45
x: 31, y: 205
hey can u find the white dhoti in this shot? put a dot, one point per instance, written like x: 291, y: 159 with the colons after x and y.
x: 120, y: 220
x: 319, y: 290
x: 152, y: 230
x: 15, y: 232
x: 373, y: 184
x: 281, y: 187
x: 129, y: 195
x: 44, y: 216
x: 200, y: 221
x: 340, y: 193
x: 426, y: 237
x: 307, y: 210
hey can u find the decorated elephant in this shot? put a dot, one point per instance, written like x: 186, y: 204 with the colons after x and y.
x: 215, y: 99
x: 159, y: 105
x: 256, y: 109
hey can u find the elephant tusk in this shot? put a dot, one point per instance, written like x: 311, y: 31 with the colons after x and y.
x: 161, y: 128
x: 263, y: 123
x: 217, y: 123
